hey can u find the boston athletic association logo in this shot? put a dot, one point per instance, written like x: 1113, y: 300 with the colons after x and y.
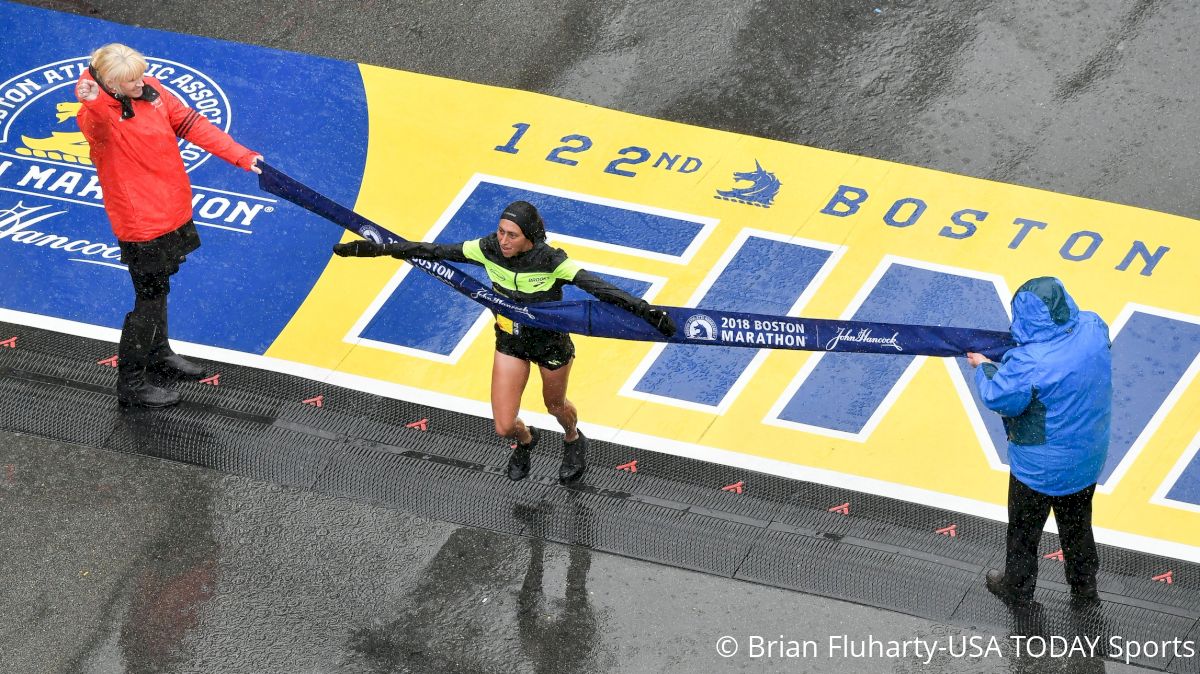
x: 50, y: 196
x: 700, y: 326
x: 38, y: 108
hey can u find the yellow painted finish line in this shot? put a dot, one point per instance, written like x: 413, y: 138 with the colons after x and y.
x: 432, y: 139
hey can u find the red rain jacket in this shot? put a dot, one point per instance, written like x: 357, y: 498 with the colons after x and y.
x: 146, y: 189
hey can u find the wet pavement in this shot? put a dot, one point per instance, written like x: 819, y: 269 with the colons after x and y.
x: 1094, y: 98
x: 121, y: 563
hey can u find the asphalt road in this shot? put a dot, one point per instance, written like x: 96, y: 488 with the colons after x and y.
x: 116, y: 563
x: 1095, y: 98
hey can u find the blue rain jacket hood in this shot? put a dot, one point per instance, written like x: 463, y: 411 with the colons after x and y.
x: 1053, y: 391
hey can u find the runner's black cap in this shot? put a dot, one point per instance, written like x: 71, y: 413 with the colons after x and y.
x: 526, y: 216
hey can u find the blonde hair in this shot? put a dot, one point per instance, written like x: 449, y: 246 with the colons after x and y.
x: 118, y: 63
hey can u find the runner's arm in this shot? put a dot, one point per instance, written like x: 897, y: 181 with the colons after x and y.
x: 606, y: 292
x: 404, y: 250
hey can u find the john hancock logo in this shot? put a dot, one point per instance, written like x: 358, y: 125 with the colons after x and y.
x: 38, y: 108
x: 761, y: 190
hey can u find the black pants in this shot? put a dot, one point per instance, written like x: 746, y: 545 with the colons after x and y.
x: 1027, y: 514
x: 150, y: 300
x: 151, y: 265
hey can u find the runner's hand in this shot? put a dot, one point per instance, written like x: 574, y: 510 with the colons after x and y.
x: 361, y: 248
x: 661, y: 321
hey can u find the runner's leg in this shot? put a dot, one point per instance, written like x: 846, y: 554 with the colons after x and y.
x: 554, y: 394
x: 509, y: 376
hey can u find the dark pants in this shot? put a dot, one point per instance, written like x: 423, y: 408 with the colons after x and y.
x: 150, y: 303
x: 1027, y: 514
x: 151, y: 265
x: 144, y: 333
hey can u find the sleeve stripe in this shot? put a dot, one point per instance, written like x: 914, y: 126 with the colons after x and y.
x: 188, y: 122
x: 191, y: 121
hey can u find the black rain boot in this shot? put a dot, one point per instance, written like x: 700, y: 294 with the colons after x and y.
x: 574, y: 463
x: 1085, y: 593
x: 518, y: 461
x: 998, y: 585
x: 137, y: 336
x: 172, y: 367
x: 168, y: 365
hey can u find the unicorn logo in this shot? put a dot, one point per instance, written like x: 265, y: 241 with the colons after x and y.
x: 761, y: 191
x: 700, y: 326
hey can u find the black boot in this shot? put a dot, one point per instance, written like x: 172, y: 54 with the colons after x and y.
x: 518, y: 461
x: 1085, y: 593
x: 574, y: 463
x: 133, y: 353
x: 168, y: 365
x: 998, y: 585
x: 172, y: 366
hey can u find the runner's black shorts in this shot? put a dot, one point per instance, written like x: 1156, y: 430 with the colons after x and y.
x: 547, y: 348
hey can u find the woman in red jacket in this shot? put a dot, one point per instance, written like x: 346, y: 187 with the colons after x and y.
x: 132, y: 125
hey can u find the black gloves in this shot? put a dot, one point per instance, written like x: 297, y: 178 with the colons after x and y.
x: 365, y: 248
x: 362, y: 248
x: 660, y: 319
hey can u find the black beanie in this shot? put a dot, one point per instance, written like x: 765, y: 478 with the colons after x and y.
x: 527, y: 218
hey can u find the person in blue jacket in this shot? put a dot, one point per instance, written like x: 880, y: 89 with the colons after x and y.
x: 1054, y: 392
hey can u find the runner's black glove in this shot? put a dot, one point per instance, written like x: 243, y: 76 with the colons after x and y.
x: 361, y: 248
x: 364, y: 248
x: 660, y: 319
